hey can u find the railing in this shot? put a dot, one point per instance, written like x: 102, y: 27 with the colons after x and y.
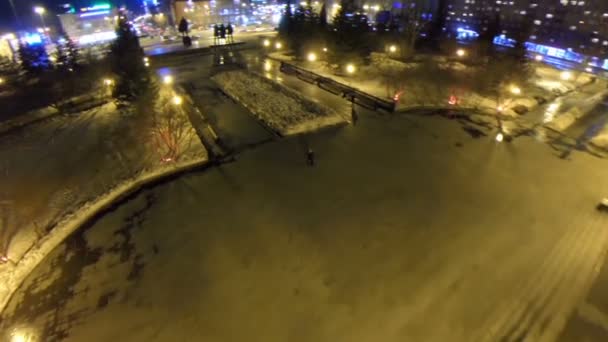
x: 337, y: 88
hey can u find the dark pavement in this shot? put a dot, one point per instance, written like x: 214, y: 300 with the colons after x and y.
x: 399, y: 233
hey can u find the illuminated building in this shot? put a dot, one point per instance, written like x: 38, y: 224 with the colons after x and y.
x: 571, y: 25
x: 89, y: 25
x: 204, y: 13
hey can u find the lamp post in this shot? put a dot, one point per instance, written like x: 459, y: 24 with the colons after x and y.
x: 40, y: 11
x: 17, y: 21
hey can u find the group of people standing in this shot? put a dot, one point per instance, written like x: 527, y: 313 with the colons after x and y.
x: 222, y: 31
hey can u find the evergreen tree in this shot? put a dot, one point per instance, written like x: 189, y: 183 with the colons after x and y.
x: 519, y: 51
x: 486, y: 38
x: 184, y: 29
x: 349, y: 36
x: 34, y: 58
x: 323, y: 17
x: 438, y: 22
x: 127, y: 62
x: 67, y: 54
x: 286, y: 23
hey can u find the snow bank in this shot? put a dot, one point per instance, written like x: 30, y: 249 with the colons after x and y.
x: 281, y: 108
x: 12, y: 276
x: 566, y: 119
x: 28, y: 118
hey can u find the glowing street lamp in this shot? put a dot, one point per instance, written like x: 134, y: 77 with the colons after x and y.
x: 350, y: 68
x: 312, y: 57
x: 40, y: 11
x: 538, y: 58
x: 324, y: 49
x: 177, y: 100
x: 266, y: 42
x: 392, y: 48
x: 278, y: 45
x: 566, y: 75
x: 500, y: 137
x: 1, y: 81
x: 515, y: 90
x: 108, y: 82
x: 168, y: 79
x: 460, y: 52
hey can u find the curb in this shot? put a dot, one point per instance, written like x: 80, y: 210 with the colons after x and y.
x: 12, y: 279
x: 26, y: 120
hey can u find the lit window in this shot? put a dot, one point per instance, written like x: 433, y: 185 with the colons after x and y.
x: 587, y: 12
x: 581, y: 22
x: 605, y: 43
x: 549, y: 15
x: 498, y: 2
x: 581, y: 3
x: 572, y: 28
x: 537, y: 22
x: 533, y: 5
x: 563, y: 2
x: 523, y: 12
x: 595, y: 40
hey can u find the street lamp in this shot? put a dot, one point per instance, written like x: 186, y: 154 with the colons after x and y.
x: 515, y: 90
x: 177, y: 100
x: 350, y: 68
x: 392, y: 48
x: 1, y: 81
x: 168, y: 79
x: 40, y: 11
x: 538, y: 58
x: 460, y: 52
x: 500, y: 137
x: 266, y: 42
x: 108, y: 82
x: 278, y: 45
x: 566, y: 75
x: 312, y: 57
x: 324, y: 49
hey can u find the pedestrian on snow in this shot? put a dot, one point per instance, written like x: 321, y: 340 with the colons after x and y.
x: 229, y: 31
x: 310, y: 156
x: 216, y: 33
x: 353, y: 114
x: 222, y: 31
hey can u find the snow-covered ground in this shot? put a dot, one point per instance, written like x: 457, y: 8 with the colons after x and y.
x: 418, y: 88
x: 279, y: 107
x: 52, y: 168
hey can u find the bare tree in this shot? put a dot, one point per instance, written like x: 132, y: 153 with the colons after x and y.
x: 411, y: 23
x: 171, y: 132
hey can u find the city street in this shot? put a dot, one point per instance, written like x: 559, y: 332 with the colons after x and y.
x: 408, y: 228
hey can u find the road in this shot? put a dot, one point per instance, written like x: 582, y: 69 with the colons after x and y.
x: 409, y: 228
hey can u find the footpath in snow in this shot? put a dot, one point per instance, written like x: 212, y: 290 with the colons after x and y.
x: 281, y: 108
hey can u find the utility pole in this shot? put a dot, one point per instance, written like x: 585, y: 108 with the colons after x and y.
x: 17, y: 21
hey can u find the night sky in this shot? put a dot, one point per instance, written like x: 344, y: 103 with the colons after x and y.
x: 24, y: 9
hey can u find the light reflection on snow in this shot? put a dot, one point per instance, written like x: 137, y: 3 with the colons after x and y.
x: 550, y: 112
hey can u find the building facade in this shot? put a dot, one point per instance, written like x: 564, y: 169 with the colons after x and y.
x: 89, y: 25
x: 205, y: 13
x: 571, y: 25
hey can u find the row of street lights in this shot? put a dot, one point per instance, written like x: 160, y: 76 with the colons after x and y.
x: 167, y: 80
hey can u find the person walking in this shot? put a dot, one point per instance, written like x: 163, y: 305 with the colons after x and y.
x: 353, y: 113
x: 229, y: 31
x: 310, y: 156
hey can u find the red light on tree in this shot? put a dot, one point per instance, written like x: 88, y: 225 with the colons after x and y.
x: 453, y: 100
